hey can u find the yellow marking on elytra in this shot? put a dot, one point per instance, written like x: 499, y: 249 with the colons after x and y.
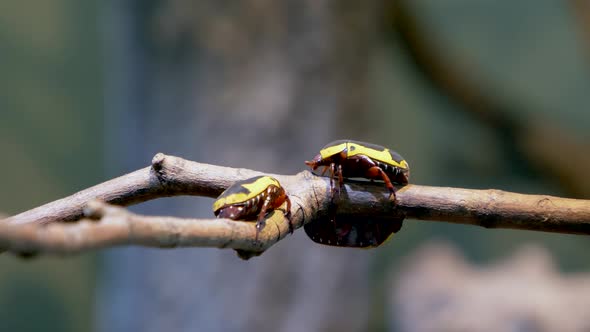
x: 254, y: 188
x: 353, y: 149
x: 332, y: 150
x: 383, y: 156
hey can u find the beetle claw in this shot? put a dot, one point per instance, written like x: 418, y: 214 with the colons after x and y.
x: 392, y: 196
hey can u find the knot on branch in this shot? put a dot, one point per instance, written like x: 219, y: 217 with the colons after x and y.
x: 158, y: 166
x: 94, y: 210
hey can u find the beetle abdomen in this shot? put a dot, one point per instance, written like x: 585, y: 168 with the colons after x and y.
x: 396, y: 174
x: 243, y: 210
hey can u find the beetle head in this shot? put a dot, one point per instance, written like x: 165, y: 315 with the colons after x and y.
x: 315, y: 162
x: 404, y: 176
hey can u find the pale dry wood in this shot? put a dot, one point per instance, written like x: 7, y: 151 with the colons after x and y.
x: 37, y: 230
x: 115, y: 226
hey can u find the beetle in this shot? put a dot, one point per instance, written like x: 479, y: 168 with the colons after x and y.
x: 252, y: 197
x: 352, y: 232
x: 352, y: 159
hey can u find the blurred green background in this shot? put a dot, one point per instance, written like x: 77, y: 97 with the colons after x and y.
x: 51, y: 135
x: 529, y: 55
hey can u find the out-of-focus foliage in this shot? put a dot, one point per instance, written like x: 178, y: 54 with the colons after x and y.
x: 50, y: 145
x: 528, y: 56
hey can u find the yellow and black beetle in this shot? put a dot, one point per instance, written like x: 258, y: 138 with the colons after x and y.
x: 352, y: 159
x: 252, y: 197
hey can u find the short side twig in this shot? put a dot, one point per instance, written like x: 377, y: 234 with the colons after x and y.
x: 167, y: 176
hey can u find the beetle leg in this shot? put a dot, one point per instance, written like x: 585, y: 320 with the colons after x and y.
x: 374, y: 172
x: 340, y: 177
x: 261, y: 222
x: 324, y: 170
x: 288, y: 214
x: 332, y: 172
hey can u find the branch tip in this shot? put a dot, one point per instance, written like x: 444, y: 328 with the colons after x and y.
x: 158, y: 161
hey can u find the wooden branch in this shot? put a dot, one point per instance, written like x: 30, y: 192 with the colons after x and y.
x: 39, y: 230
x: 116, y: 227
